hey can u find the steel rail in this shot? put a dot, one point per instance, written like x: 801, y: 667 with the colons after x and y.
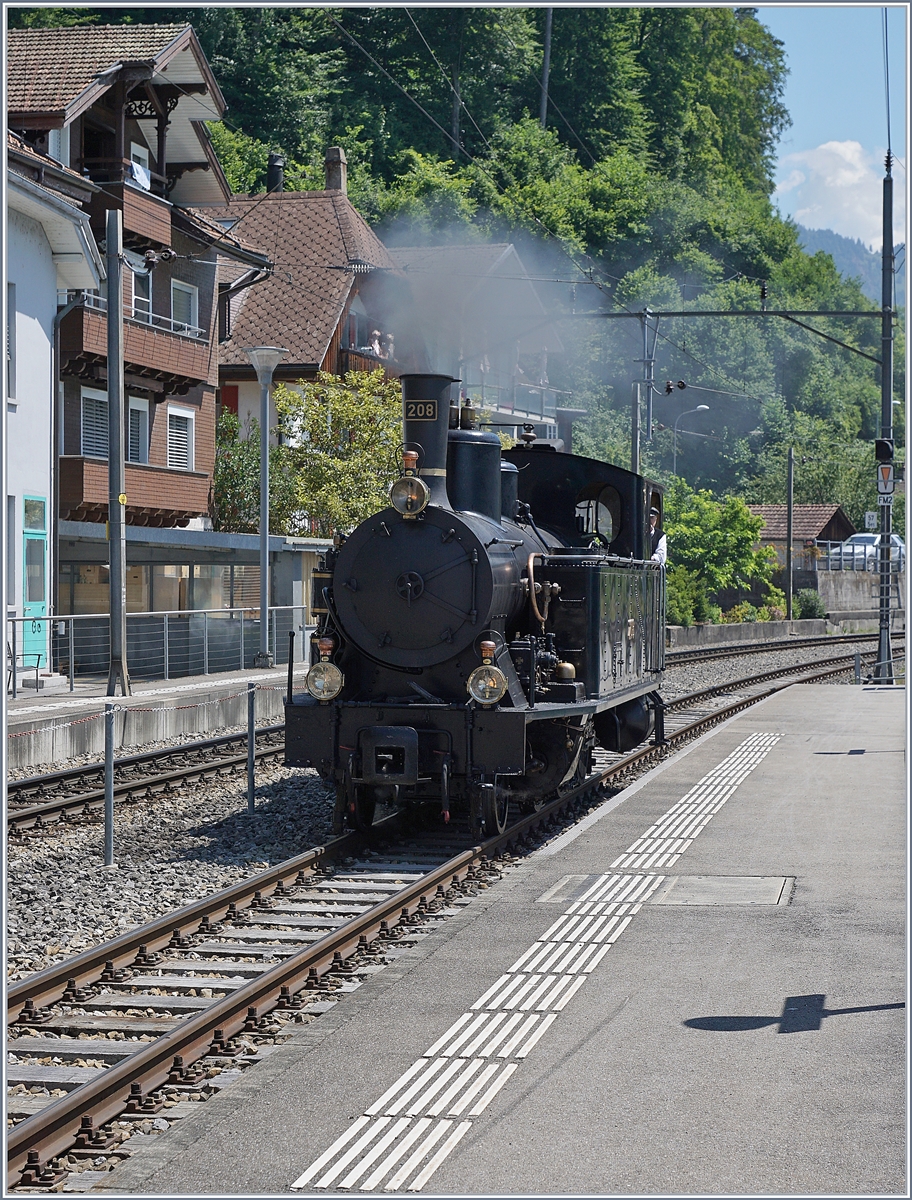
x: 72, y: 774
x: 39, y: 814
x: 53, y: 1130
x: 747, y: 680
x: 707, y: 653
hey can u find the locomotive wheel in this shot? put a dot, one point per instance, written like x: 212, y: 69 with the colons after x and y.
x: 362, y: 804
x: 495, y: 806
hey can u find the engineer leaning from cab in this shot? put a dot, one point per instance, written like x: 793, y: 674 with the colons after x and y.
x: 657, y: 538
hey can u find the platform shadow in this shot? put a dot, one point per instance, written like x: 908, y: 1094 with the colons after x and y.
x: 800, y: 1014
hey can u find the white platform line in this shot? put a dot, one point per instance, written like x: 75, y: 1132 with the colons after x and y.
x: 415, y: 1158
x: 493, y: 1090
x: 371, y: 1157
x: 328, y: 1155
x: 500, y: 1036
x: 537, y: 1033
x: 443, y: 1104
x: 494, y: 998
x: 482, y: 1000
x: 409, y: 1094
x: 453, y: 1029
x: 570, y: 992
x: 463, y: 1103
x: 351, y: 1154
x: 448, y: 1145
x: 483, y: 1035
x: 397, y: 1086
x: 434, y: 1088
x: 397, y: 1153
x: 527, y: 1025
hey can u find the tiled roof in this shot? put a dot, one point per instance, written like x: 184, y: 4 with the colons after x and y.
x: 808, y: 520
x: 16, y: 143
x: 227, y: 240
x: 311, y: 237
x: 48, y: 68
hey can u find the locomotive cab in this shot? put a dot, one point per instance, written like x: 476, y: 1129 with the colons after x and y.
x: 487, y: 631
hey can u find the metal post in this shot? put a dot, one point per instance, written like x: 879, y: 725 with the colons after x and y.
x: 789, y: 518
x: 546, y: 69
x: 635, y: 432
x: 857, y: 667
x: 165, y: 636
x: 110, y: 710
x: 251, y: 745
x: 883, y: 669
x: 72, y: 656
x: 205, y: 643
x: 242, y: 639
x: 291, y: 640
x: 648, y: 368
x: 117, y: 499
x: 14, y: 652
x: 263, y: 659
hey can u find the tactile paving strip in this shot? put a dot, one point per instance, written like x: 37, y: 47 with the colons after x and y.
x: 405, y: 1135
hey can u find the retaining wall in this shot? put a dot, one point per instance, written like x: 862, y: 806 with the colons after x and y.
x: 678, y: 637
x: 45, y: 739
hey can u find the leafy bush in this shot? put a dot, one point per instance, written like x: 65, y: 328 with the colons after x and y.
x: 809, y: 605
x: 743, y: 613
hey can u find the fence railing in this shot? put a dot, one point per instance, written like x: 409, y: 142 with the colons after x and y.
x: 837, y: 556
x: 160, y: 645
x: 140, y: 312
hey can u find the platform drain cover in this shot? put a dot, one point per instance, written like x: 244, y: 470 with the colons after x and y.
x: 724, y: 889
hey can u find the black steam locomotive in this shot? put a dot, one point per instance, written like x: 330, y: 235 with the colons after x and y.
x: 480, y: 635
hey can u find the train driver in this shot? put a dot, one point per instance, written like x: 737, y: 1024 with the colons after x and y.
x: 657, y: 538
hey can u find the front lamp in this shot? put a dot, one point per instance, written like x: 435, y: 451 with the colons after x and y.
x: 324, y: 681
x: 487, y: 684
x: 409, y: 495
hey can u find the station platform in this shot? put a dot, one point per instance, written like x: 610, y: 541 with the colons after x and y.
x: 46, y: 729
x: 697, y: 990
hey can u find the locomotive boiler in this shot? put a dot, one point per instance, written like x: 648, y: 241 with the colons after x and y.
x: 483, y: 633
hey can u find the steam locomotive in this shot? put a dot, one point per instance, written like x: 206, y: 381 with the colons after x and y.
x: 478, y: 637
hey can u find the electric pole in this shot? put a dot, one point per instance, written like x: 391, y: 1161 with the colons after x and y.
x: 546, y: 68
x: 789, y: 531
x: 883, y: 670
x: 117, y: 500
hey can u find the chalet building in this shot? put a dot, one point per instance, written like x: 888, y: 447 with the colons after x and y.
x: 335, y: 299
x: 118, y: 114
x: 49, y: 246
x: 810, y: 523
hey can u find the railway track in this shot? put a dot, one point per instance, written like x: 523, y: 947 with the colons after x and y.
x: 707, y: 653
x: 132, y: 1034
x: 41, y: 800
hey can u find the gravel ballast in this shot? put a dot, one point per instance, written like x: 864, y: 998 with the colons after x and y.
x: 180, y: 846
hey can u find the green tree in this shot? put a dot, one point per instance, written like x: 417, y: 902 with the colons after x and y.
x: 712, y: 544
x: 341, y: 437
x: 234, y: 499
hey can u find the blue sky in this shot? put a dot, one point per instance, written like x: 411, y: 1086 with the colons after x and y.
x: 831, y: 159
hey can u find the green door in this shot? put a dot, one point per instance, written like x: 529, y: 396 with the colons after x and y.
x: 34, y: 583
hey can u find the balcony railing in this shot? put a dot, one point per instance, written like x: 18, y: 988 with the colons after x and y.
x: 139, y: 313
x: 522, y: 400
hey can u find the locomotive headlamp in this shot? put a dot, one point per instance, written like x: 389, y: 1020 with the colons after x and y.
x: 324, y: 681
x: 487, y: 684
x: 409, y: 495
x: 326, y: 645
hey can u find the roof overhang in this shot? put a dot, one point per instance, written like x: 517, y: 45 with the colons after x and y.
x: 76, y: 256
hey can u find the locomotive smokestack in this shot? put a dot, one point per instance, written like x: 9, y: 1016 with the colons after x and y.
x: 425, y: 422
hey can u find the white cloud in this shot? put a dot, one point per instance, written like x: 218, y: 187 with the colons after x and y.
x: 838, y: 186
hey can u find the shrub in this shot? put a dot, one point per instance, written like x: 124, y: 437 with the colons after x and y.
x: 809, y: 605
x: 743, y: 613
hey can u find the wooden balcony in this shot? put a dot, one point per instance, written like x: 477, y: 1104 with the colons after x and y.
x: 176, y: 360
x: 145, y: 217
x: 155, y: 495
x: 354, y: 360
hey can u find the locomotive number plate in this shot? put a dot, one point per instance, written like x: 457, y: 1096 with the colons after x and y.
x: 421, y: 410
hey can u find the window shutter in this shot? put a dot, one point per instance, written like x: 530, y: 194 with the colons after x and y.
x: 138, y: 450
x: 94, y: 427
x: 180, y: 430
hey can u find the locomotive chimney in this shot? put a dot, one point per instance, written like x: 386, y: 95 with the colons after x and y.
x: 425, y: 422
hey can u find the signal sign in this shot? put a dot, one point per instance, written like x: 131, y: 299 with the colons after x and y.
x: 885, y: 481
x: 870, y: 520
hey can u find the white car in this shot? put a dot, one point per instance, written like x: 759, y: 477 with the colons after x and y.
x: 861, y: 552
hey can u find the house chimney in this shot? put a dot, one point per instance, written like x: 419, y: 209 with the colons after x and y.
x: 275, y: 172
x: 336, y: 170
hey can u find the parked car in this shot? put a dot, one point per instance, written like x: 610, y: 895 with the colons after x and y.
x: 862, y: 550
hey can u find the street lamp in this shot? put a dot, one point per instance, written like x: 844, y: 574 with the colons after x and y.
x: 265, y: 359
x: 674, y: 461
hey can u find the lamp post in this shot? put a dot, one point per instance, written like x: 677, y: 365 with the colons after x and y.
x: 674, y: 460
x: 265, y: 359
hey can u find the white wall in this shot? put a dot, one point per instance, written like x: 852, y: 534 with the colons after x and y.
x: 249, y: 407
x: 30, y: 267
